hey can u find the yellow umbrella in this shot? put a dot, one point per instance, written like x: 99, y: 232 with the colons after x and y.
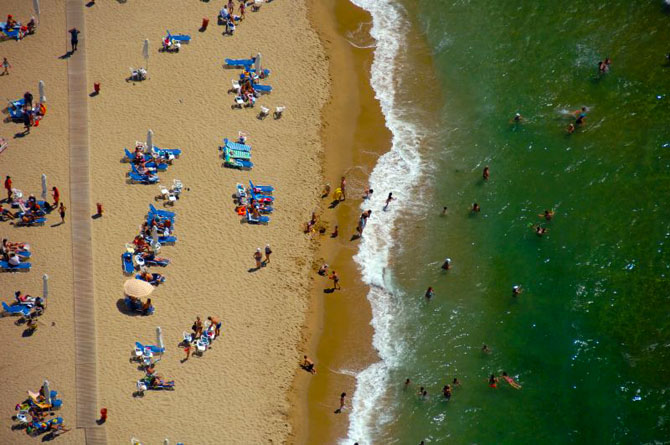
x: 137, y: 288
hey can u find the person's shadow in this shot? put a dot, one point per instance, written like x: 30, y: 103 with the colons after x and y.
x: 67, y: 55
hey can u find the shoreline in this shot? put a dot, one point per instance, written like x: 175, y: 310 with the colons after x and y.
x: 337, y: 333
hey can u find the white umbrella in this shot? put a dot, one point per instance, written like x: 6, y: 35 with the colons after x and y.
x: 45, y: 286
x: 150, y: 140
x: 155, y: 245
x: 145, y: 52
x: 43, y: 98
x: 258, y: 64
x: 166, y: 442
x: 47, y: 392
x: 36, y: 5
x: 159, y: 337
x: 44, y: 187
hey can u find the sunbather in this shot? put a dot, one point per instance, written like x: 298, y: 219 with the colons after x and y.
x: 147, y: 307
x: 5, y: 214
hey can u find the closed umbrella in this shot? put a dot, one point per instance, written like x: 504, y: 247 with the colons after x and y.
x: 43, y: 98
x: 44, y: 187
x: 258, y: 64
x: 145, y: 52
x: 159, y: 337
x: 155, y: 245
x: 47, y: 392
x: 36, y: 5
x: 45, y: 286
x: 150, y: 140
x: 137, y: 288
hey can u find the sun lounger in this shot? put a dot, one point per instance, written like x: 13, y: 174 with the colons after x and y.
x: 236, y: 145
x: 128, y: 266
x: 237, y: 163
x: 166, y: 152
x: 161, y: 213
x: 262, y: 88
x: 261, y: 188
x: 261, y: 198
x: 167, y: 239
x: 240, y: 63
x: 4, y: 265
x: 181, y: 38
x: 16, y: 309
x: 237, y: 154
x: 143, y: 179
x: 16, y: 109
x: 260, y: 220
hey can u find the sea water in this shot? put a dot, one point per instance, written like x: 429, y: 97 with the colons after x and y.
x: 589, y: 337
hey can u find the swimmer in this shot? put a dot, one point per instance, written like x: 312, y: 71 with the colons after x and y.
x: 539, y: 230
x: 388, y: 200
x: 516, y: 290
x: 446, y: 391
x: 580, y: 116
x: 548, y: 215
x: 475, y: 208
x: 429, y: 293
x: 447, y: 264
x: 456, y: 382
x: 493, y: 381
x: 423, y: 393
x: 517, y: 118
x: 571, y: 128
x: 486, y: 173
x: 444, y: 210
x: 511, y: 381
x: 485, y: 349
x: 368, y: 193
x: 407, y: 383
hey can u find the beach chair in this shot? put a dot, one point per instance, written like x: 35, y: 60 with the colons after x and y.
x: 181, y: 38
x: 127, y: 262
x: 264, y: 112
x: 167, y: 153
x: 261, y: 188
x: 15, y: 109
x: 236, y: 146
x: 278, y: 112
x: 237, y: 163
x: 240, y: 63
x: 265, y: 89
x: 16, y: 309
x: 260, y: 220
x: 236, y: 87
x: 6, y: 267
x: 161, y: 213
x: 152, y: 348
x: 143, y: 179
x: 256, y: 6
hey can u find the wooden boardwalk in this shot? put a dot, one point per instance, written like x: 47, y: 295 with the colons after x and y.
x: 86, y: 381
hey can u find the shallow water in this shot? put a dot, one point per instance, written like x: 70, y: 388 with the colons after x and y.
x: 589, y: 338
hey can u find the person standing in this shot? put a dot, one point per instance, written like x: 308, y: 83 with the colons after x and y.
x: 258, y: 256
x: 343, y: 188
x: 8, y: 187
x: 56, y: 195
x: 61, y: 210
x: 74, y: 38
x: 486, y: 173
x: 26, y: 122
x: 28, y: 99
x: 216, y: 322
x: 6, y: 66
x: 336, y: 280
x: 342, y: 397
x: 268, y: 251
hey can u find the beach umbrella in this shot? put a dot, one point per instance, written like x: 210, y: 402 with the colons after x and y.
x: 36, y: 5
x: 43, y: 98
x: 145, y: 52
x: 44, y: 187
x: 137, y: 288
x: 258, y: 64
x: 47, y: 392
x: 159, y: 337
x: 45, y: 286
x: 166, y: 441
x: 155, y: 245
x: 150, y: 140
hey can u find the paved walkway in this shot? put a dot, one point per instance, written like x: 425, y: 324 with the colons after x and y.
x: 86, y: 381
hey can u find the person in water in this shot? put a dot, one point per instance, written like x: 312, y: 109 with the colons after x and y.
x: 517, y: 118
x: 485, y: 349
x: 580, y: 116
x: 456, y: 382
x: 476, y: 208
x: 539, y: 230
x: 571, y: 128
x: 446, y: 391
x: 447, y: 264
x: 388, y: 200
x: 422, y: 393
x: 407, y: 383
x: 486, y: 173
x: 493, y: 381
x: 429, y: 293
x: 444, y: 210
x: 548, y: 215
x: 511, y: 381
x: 516, y: 290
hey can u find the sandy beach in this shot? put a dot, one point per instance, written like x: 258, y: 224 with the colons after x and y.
x: 237, y: 392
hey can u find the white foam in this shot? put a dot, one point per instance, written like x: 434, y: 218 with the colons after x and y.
x: 397, y: 171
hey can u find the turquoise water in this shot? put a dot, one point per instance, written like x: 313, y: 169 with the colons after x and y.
x: 589, y: 338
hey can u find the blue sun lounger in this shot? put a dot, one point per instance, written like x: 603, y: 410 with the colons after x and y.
x: 167, y: 152
x: 4, y: 265
x: 143, y: 179
x: 261, y: 197
x: 235, y: 145
x: 16, y: 309
x: 260, y: 220
x: 36, y: 222
x: 127, y: 261
x: 262, y: 88
x: 15, y: 109
x: 261, y: 188
x: 182, y: 38
x: 238, y: 63
x: 167, y: 239
x: 154, y: 349
x: 237, y: 163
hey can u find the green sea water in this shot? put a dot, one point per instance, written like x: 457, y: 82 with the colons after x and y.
x: 589, y: 338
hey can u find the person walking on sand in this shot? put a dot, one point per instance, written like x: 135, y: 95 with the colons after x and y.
x: 56, y: 195
x: 342, y: 397
x: 486, y: 173
x: 216, y: 322
x: 187, y: 350
x: 336, y: 280
x: 74, y: 38
x: 6, y: 66
x: 8, y: 187
x: 343, y: 188
x: 268, y: 251
x: 258, y: 256
x: 61, y: 210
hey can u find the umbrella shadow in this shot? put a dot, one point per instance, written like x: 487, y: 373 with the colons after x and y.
x: 121, y: 306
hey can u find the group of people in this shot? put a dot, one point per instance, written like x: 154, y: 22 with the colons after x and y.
x: 258, y: 257
x: 211, y: 331
x: 229, y: 19
x: 31, y: 112
x: 13, y: 29
x: 29, y: 211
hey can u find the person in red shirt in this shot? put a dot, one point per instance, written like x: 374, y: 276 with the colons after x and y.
x: 56, y: 195
x: 8, y: 186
